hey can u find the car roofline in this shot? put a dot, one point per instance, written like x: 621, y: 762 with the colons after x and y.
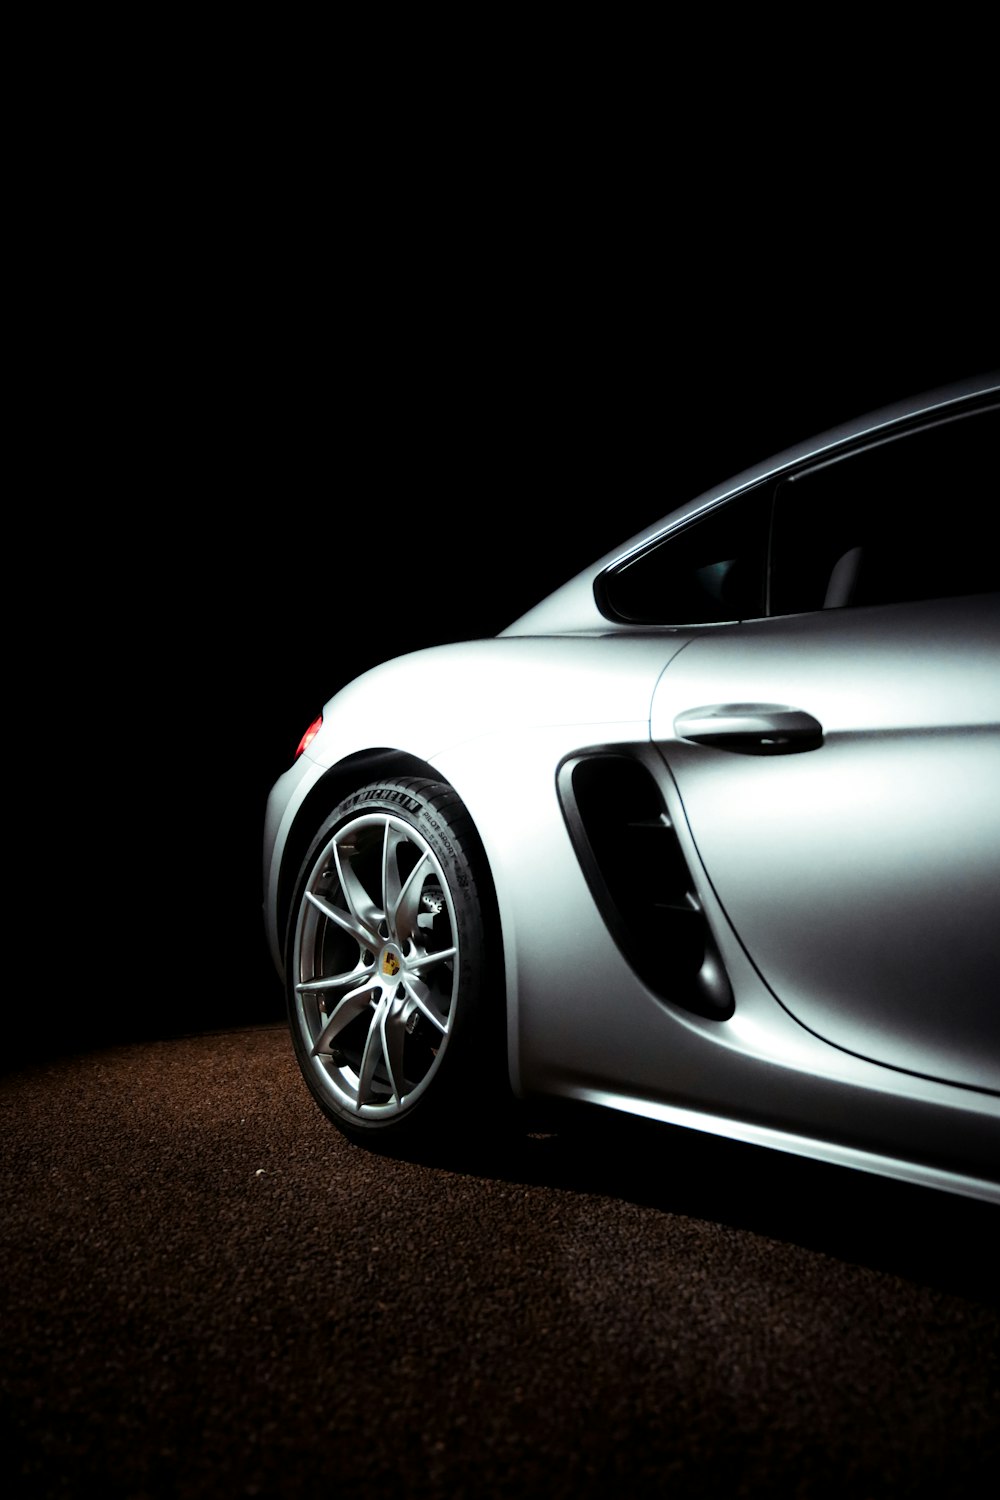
x: 869, y: 425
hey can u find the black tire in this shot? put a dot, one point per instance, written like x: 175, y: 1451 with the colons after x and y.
x: 391, y: 978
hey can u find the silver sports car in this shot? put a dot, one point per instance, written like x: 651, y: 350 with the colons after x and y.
x: 711, y: 835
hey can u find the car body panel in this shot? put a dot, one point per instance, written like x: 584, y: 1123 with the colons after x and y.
x: 863, y: 874
x: 428, y: 702
x: 582, y: 1023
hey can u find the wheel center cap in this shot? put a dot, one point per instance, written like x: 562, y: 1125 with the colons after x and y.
x: 390, y: 963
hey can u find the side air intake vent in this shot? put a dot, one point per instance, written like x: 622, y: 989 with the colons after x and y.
x: 639, y: 878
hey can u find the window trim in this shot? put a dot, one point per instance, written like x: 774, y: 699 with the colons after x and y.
x: 803, y: 468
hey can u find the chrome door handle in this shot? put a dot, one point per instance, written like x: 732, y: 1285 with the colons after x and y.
x: 750, y: 728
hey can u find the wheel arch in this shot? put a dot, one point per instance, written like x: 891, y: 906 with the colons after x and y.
x: 346, y: 776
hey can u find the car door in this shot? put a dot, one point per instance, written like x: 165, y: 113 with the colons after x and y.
x: 838, y: 760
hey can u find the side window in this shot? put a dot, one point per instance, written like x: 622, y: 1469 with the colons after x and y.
x: 710, y: 572
x: 911, y: 518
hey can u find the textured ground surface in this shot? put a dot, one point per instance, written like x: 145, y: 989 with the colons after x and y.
x: 208, y: 1292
